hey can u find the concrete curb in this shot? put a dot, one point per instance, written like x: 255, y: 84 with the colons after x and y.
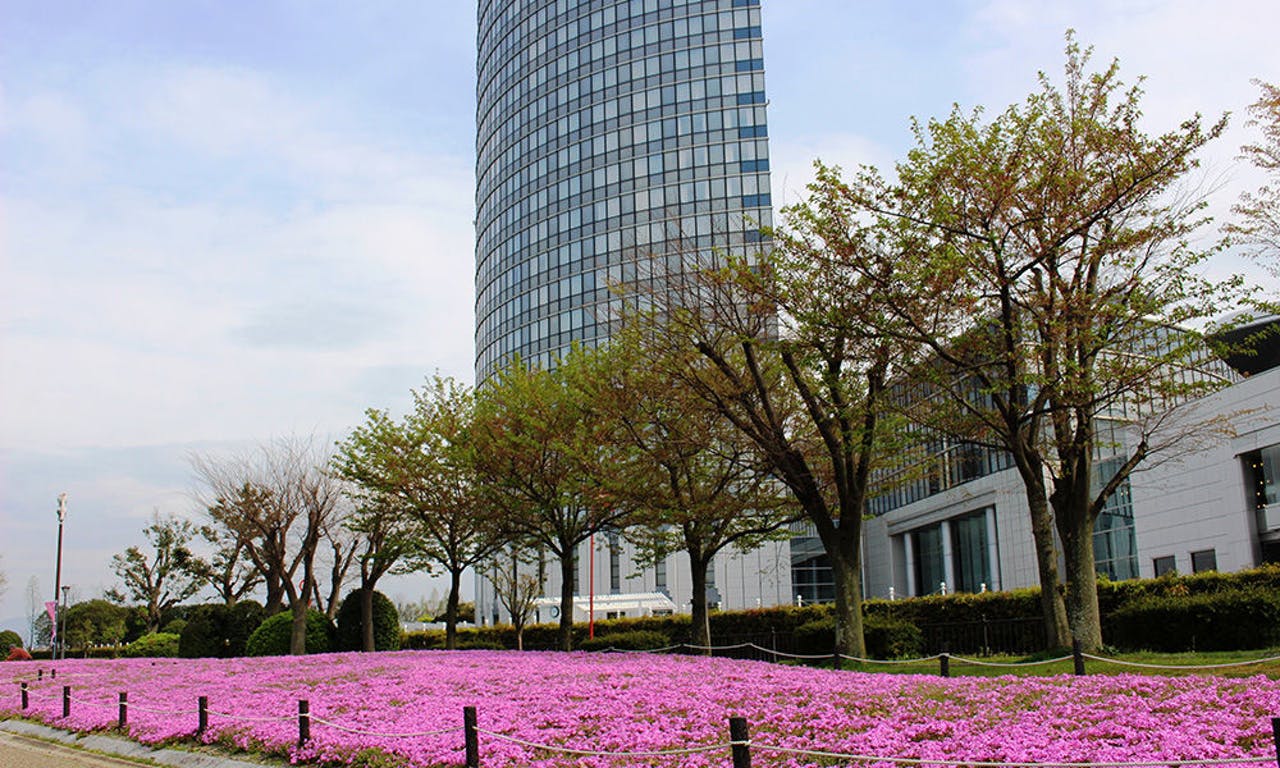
x: 124, y: 748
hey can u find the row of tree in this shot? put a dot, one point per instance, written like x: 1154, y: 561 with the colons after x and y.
x: 1029, y: 282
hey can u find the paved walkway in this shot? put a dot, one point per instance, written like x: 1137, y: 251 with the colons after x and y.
x: 28, y: 745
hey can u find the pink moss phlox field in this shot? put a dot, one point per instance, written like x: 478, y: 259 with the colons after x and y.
x: 621, y: 703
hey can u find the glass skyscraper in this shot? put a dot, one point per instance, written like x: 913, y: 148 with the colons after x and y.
x: 607, y: 132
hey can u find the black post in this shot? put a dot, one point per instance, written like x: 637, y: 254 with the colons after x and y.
x: 26, y: 702
x: 741, y: 742
x: 53, y: 674
x: 202, y: 707
x: 124, y: 710
x: 1077, y: 657
x: 944, y: 660
x: 471, y: 737
x: 66, y: 701
x: 304, y: 721
x: 39, y: 674
x: 835, y: 658
x: 1275, y: 736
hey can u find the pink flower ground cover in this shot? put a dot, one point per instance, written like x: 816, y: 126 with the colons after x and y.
x: 634, y: 703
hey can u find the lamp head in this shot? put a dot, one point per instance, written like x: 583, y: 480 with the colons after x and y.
x: 62, y: 506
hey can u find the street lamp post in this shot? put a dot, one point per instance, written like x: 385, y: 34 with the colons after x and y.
x: 66, y: 595
x: 57, y: 579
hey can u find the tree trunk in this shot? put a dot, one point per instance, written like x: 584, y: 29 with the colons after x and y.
x: 275, y: 595
x: 1052, y: 609
x: 1053, y: 612
x: 700, y: 624
x: 566, y: 599
x: 1075, y: 526
x: 298, y: 638
x: 451, y: 610
x: 366, y: 619
x: 842, y: 544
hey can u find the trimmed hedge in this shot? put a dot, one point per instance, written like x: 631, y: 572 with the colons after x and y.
x: 386, y: 623
x: 638, y: 640
x: 156, y: 644
x: 886, y: 620
x: 1215, y: 621
x: 9, y: 639
x: 886, y: 638
x: 272, y: 638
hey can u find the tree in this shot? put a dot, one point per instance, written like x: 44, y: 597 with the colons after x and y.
x: 35, y: 608
x: 229, y: 571
x: 277, y: 501
x: 94, y: 622
x: 535, y: 451
x: 693, y: 482
x: 1259, y: 212
x: 785, y: 351
x: 163, y: 578
x: 518, y: 591
x: 1044, y: 263
x: 418, y: 499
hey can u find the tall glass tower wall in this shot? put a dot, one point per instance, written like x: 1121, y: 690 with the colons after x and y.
x: 607, y: 131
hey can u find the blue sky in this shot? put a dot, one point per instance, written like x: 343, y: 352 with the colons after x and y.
x: 222, y: 222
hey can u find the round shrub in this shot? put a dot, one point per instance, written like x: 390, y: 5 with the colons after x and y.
x: 386, y: 623
x: 272, y: 638
x: 174, y: 627
x: 638, y: 640
x: 155, y: 644
x: 9, y: 639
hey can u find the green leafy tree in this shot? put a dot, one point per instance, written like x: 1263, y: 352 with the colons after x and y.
x: 1258, y: 212
x: 693, y: 482
x: 94, y: 622
x: 1044, y: 264
x: 163, y: 577
x: 418, y: 501
x: 535, y: 449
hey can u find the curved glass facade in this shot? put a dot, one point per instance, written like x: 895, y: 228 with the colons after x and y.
x: 607, y: 131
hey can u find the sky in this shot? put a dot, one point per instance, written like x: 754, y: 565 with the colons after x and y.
x: 226, y: 222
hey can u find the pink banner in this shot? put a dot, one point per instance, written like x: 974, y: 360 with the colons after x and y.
x: 51, y: 608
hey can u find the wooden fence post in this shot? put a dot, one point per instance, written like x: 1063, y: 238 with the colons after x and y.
x: 835, y: 658
x: 39, y: 674
x: 1077, y: 657
x: 304, y: 721
x: 66, y: 701
x: 741, y: 742
x: 1275, y: 736
x: 124, y: 710
x: 202, y: 710
x: 471, y: 737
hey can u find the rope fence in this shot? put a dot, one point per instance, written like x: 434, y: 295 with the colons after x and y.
x: 739, y: 745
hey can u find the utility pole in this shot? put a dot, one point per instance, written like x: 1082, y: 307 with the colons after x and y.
x: 57, y: 579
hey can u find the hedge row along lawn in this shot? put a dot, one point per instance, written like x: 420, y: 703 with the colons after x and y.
x: 641, y: 702
x: 1021, y: 666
